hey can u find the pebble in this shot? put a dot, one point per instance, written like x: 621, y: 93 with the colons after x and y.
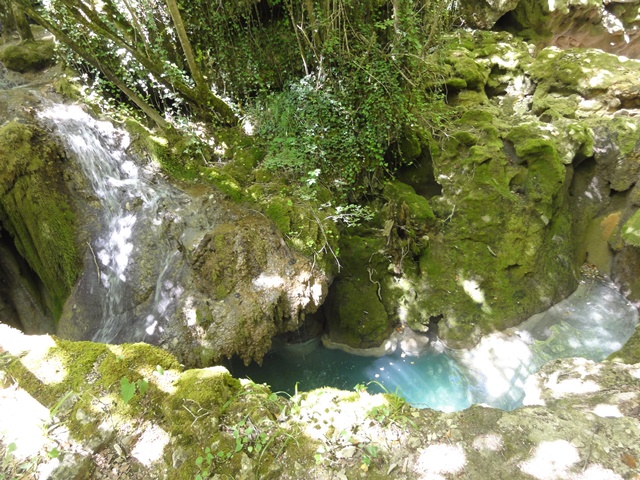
x: 346, y: 452
x: 414, y: 442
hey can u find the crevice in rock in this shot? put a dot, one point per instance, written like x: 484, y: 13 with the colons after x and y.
x: 420, y: 175
x: 433, y: 327
x: 23, y: 296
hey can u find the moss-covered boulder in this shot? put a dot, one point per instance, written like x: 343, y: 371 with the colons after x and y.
x: 583, y: 82
x: 247, y: 285
x: 502, y: 250
x: 631, y: 230
x: 35, y: 210
x: 29, y: 56
x: 355, y: 311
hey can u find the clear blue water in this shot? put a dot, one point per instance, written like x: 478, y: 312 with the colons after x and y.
x: 592, y: 323
x: 432, y: 380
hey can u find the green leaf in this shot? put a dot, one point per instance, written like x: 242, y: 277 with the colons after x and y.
x: 143, y: 384
x: 199, y: 461
x: 54, y: 453
x: 127, y: 389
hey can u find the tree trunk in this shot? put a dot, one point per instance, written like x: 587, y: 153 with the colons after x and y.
x: 224, y: 112
x: 14, y: 21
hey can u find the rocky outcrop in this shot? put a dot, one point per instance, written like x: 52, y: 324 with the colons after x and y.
x: 28, y: 56
x: 37, y: 220
x: 132, y: 410
x: 247, y: 285
x: 537, y: 175
x: 611, y: 26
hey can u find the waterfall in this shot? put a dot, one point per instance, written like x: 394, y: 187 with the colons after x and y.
x: 136, y: 209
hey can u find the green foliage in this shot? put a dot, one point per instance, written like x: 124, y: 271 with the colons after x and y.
x: 366, y: 104
x: 128, y: 388
x: 339, y: 87
x: 10, y: 467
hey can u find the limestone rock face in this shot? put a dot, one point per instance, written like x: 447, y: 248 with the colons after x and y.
x: 538, y: 174
x: 484, y: 14
x: 204, y: 277
x: 609, y: 26
x: 612, y: 26
x: 246, y: 286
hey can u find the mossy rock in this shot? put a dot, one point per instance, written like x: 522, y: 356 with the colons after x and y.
x: 631, y: 230
x: 418, y: 208
x: 630, y: 352
x: 356, y: 314
x: 36, y: 211
x: 503, y: 249
x: 29, y: 56
x: 583, y: 71
x: 465, y: 70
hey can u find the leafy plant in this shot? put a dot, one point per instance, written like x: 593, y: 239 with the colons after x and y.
x: 204, y: 464
x: 128, y: 388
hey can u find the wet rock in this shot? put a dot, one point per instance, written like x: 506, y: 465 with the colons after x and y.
x: 28, y: 56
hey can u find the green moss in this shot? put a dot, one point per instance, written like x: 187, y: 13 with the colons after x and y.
x: 279, y: 210
x: 630, y: 352
x: 243, y: 162
x: 546, y: 171
x: 467, y: 69
x: 35, y: 210
x: 29, y: 56
x: 508, y: 238
x: 468, y: 98
x: 465, y: 138
x: 356, y: 313
x: 209, y: 389
x: 560, y: 73
x: 418, y: 208
x: 225, y: 183
x: 631, y: 230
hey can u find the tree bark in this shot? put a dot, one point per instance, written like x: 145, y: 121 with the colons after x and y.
x: 225, y: 113
x: 14, y: 21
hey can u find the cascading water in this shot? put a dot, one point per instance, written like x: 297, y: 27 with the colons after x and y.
x: 592, y: 323
x: 135, y: 210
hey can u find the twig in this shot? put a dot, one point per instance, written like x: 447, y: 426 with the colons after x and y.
x: 371, y: 270
x: 451, y: 216
x: 326, y: 241
x: 95, y: 260
x: 195, y: 416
